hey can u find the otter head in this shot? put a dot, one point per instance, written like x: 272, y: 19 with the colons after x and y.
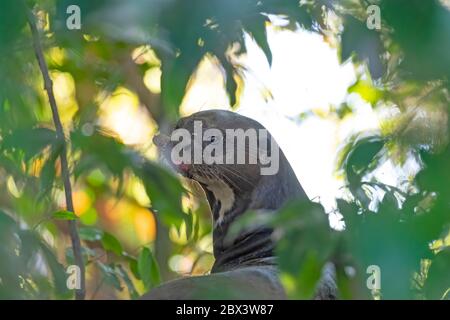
x: 235, y: 160
x: 240, y: 167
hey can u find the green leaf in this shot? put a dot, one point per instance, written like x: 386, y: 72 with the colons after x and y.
x: 303, y: 12
x: 110, y: 243
x: 230, y: 82
x: 109, y: 275
x: 90, y: 234
x: 30, y: 141
x: 12, y: 20
x: 162, y: 187
x: 256, y: 27
x: 367, y: 91
x: 58, y: 271
x: 176, y: 73
x: 365, y: 43
x: 86, y: 252
x: 414, y: 22
x: 307, y: 243
x: 164, y: 191
x: 349, y: 211
x: 309, y: 275
x: 437, y: 285
x: 64, y: 215
x: 7, y: 223
x: 31, y: 245
x: 126, y: 279
x: 133, y: 263
x: 48, y: 173
x: 359, y: 156
x: 100, y: 148
x: 148, y: 269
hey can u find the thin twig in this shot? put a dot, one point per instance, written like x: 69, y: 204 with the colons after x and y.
x: 48, y: 85
x: 97, y: 289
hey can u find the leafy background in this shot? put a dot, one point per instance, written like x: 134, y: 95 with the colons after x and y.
x: 136, y: 219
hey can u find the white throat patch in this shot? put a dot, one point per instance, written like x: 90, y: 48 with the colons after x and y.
x: 223, y: 193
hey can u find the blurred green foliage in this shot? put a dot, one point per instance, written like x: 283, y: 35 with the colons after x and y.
x: 404, y: 231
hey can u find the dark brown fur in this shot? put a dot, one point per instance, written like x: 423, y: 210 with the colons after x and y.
x: 244, y: 267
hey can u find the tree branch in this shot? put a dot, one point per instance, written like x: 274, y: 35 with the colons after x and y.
x: 48, y: 85
x: 151, y: 101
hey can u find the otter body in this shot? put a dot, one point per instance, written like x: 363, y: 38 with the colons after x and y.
x: 245, y: 266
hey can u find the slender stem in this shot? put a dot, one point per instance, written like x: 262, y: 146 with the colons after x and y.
x: 48, y: 85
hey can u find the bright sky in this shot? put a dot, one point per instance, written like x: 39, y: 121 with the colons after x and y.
x: 305, y: 76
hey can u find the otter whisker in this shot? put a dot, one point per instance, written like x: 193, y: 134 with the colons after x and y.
x: 239, y: 176
x: 235, y: 185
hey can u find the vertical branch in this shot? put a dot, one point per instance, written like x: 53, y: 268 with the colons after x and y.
x: 48, y: 85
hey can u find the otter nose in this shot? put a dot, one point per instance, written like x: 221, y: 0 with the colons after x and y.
x: 161, y: 140
x: 184, y: 167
